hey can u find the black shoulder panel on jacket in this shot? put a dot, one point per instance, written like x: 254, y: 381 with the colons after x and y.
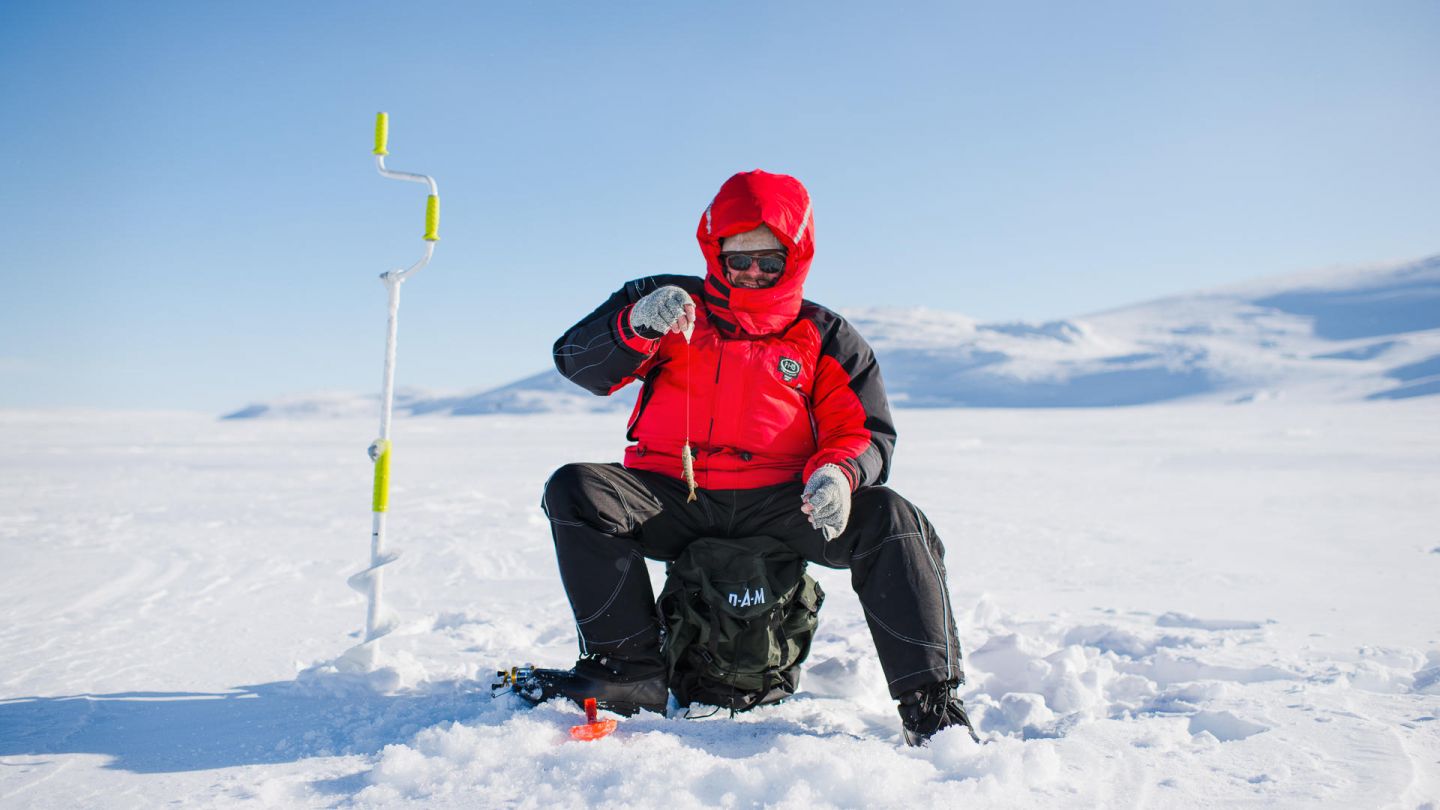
x: 842, y: 342
x: 641, y: 287
x: 593, y: 353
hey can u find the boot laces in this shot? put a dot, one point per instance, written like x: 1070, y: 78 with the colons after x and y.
x: 930, y: 708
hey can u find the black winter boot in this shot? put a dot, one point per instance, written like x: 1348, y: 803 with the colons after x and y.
x: 620, y: 686
x: 931, y: 708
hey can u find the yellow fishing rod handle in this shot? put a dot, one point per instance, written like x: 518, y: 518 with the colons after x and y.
x: 381, y: 500
x: 382, y: 133
x: 432, y: 219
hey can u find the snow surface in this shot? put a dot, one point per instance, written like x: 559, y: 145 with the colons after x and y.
x: 1332, y: 335
x: 1166, y: 606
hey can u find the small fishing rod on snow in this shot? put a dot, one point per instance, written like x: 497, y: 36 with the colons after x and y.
x: 379, y: 621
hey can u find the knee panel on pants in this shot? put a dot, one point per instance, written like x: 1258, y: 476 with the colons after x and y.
x: 580, y: 494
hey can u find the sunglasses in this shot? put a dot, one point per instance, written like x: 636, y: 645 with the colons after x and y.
x: 769, y: 263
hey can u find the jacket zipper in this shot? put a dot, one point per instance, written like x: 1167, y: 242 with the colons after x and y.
x: 710, y: 432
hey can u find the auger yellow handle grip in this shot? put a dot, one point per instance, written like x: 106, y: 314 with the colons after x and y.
x: 432, y: 219
x: 382, y: 133
x: 380, y: 502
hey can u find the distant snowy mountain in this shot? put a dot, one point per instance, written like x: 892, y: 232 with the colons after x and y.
x: 1330, y: 335
x: 546, y: 392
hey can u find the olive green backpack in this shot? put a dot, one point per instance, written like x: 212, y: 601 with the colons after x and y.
x: 739, y: 616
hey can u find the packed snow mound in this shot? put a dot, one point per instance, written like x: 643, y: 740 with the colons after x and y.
x: 1327, y: 336
x: 1058, y: 701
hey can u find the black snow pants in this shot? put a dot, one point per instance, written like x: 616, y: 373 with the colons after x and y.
x: 606, y: 519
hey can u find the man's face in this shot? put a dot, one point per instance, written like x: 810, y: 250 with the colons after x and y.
x: 753, y: 269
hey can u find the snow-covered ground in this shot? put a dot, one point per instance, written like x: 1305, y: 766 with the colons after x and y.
x: 1167, y: 606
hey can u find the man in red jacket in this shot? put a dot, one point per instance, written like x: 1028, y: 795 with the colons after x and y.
x: 782, y: 403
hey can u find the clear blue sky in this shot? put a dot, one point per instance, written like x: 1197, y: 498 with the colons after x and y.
x: 190, y: 217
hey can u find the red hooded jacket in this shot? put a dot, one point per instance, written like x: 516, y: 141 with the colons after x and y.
x: 769, y: 387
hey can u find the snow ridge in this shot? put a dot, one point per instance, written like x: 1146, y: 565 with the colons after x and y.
x: 1335, y: 335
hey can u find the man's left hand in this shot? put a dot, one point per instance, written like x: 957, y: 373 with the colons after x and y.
x: 827, y: 501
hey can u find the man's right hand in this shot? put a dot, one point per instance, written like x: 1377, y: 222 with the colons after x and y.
x: 668, y: 309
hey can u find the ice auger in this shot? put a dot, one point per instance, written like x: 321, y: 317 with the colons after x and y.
x: 379, y: 621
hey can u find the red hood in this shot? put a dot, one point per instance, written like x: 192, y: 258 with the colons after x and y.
x: 747, y: 201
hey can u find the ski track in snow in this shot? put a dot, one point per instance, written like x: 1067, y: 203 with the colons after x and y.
x: 1178, y: 606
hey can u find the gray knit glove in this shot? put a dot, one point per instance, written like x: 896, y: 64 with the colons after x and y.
x: 662, y: 311
x: 827, y: 500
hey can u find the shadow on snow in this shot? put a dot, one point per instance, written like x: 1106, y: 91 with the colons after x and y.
x: 155, y: 732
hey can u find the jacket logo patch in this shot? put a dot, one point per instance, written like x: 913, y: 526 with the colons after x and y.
x: 789, y: 369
